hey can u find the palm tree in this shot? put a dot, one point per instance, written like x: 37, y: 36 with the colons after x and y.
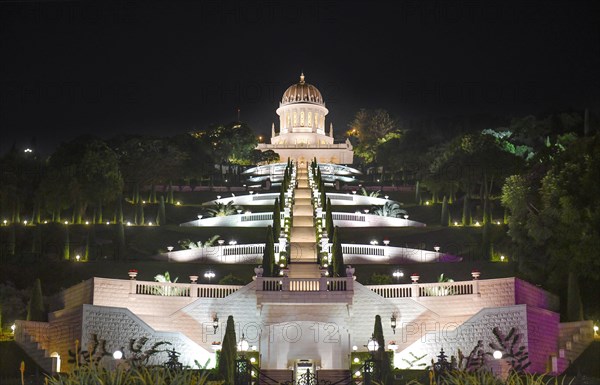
x: 389, y: 209
x: 222, y: 209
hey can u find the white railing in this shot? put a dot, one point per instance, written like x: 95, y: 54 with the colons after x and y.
x: 363, y: 250
x: 436, y: 289
x: 168, y: 289
x: 348, y: 217
x: 341, y: 197
x: 257, y: 217
x: 264, y: 197
x: 304, y: 284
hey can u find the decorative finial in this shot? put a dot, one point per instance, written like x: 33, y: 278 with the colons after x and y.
x: 302, y: 77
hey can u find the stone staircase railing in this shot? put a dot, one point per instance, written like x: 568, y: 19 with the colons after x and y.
x: 31, y: 337
x: 168, y: 289
x: 436, y: 289
x: 573, y: 339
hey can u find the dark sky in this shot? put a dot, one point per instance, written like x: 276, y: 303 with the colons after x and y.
x: 71, y: 67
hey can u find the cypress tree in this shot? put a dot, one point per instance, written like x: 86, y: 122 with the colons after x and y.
x: 228, y: 353
x: 35, y: 307
x: 67, y: 246
x: 282, y: 197
x: 268, y: 261
x: 162, y: 215
x: 574, y: 304
x: 337, y: 256
x: 384, y: 370
x: 466, y: 211
x: 323, y: 196
x: 329, y: 226
x: 12, y: 240
x: 445, y: 218
x: 276, y: 220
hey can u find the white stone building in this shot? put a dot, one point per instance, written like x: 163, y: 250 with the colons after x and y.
x: 302, y: 132
x: 306, y: 319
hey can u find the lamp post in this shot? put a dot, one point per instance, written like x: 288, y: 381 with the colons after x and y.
x: 398, y: 274
x: 242, y: 366
x: 371, y: 363
x: 210, y: 275
x: 169, y: 249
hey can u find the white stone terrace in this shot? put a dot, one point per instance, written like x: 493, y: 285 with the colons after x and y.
x: 353, y: 254
x: 337, y: 199
x: 266, y: 219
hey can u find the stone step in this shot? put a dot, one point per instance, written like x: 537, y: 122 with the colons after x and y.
x: 275, y: 376
x: 304, y: 270
x: 303, y: 252
x: 301, y: 193
x: 304, y: 222
x: 334, y: 376
x: 303, y: 210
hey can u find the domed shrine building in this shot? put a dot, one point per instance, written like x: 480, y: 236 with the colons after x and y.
x: 302, y: 135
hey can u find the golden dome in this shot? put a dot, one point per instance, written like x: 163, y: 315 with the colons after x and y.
x: 302, y: 92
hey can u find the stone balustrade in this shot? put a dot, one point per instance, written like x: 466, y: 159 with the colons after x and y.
x: 436, y: 289
x: 169, y: 289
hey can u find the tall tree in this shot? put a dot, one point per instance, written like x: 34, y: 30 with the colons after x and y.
x: 337, y: 257
x: 445, y: 217
x: 35, y: 307
x: 381, y: 355
x: 276, y: 220
x: 228, y: 354
x: 268, y: 261
x: 67, y: 244
x: 329, y: 226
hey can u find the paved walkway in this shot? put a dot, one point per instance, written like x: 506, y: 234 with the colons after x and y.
x: 303, y: 240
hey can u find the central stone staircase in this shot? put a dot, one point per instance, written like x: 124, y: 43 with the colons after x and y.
x: 303, y: 241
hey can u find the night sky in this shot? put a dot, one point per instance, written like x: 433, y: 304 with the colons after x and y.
x: 71, y: 68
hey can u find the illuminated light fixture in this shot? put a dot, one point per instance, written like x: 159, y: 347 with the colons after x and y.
x: 220, y: 242
x: 209, y: 275
x: 45, y: 222
x: 280, y: 272
x: 117, y: 355
x: 436, y: 248
x: 366, y: 211
x: 455, y: 223
x: 243, y: 345
x: 254, y: 348
x: 178, y: 203
x: 387, y: 197
x: 218, y: 197
x: 233, y: 242
x: 149, y: 223
x: 374, y: 242
x: 13, y: 327
x: 107, y: 223
x: 143, y: 202
x: 497, y: 222
x: 199, y: 216
x: 354, y: 348
x: 405, y: 216
x: 357, y: 373
x: 426, y: 203
x: 386, y: 242
x: 248, y: 212
x: 398, y: 274
x: 497, y: 354
x: 281, y: 265
x: 252, y: 359
x: 356, y: 360
x: 393, y: 322
x: 215, y: 323
x: 5, y: 221
x: 66, y: 222
x: 502, y: 257
x: 170, y: 248
x: 239, y: 211
x: 28, y: 150
x: 128, y: 223
x: 78, y: 257
x: 25, y: 222
x: 87, y: 222
x: 372, y: 345
x: 325, y: 265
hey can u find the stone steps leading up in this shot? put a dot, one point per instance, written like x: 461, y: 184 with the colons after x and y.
x: 304, y: 270
x: 275, y: 376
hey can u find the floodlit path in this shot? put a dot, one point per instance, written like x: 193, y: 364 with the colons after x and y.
x: 303, y: 241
